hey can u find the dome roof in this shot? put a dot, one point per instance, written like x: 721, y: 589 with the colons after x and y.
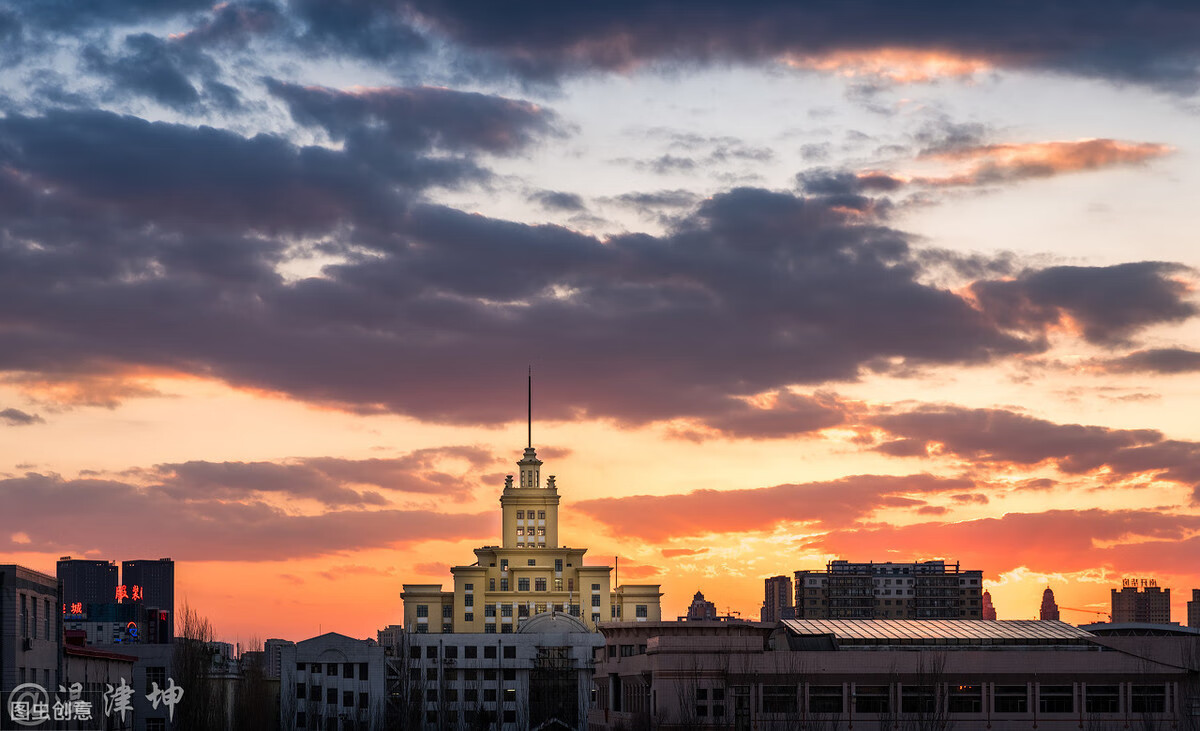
x: 552, y: 622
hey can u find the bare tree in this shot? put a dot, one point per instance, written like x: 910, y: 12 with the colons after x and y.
x: 203, y: 705
x: 253, y: 706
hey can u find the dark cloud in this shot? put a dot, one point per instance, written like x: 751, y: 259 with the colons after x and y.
x: 235, y: 24
x: 16, y: 417
x: 1107, y: 304
x: 656, y: 200
x: 788, y: 415
x: 557, y: 200
x: 1152, y: 43
x: 421, y: 117
x: 999, y: 438
x: 1156, y: 360
x: 151, y: 67
x: 378, y: 31
x: 835, y: 503
x: 822, y: 181
x: 204, y: 528
x: 69, y: 15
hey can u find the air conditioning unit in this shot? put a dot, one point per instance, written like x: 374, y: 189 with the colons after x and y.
x: 27, y: 643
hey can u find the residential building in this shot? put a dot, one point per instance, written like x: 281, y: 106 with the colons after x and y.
x: 332, y: 682
x: 925, y: 590
x: 989, y: 610
x: 778, y: 596
x: 30, y: 628
x: 700, y: 610
x: 1147, y: 604
x: 272, y: 656
x: 1049, y: 608
x: 86, y: 581
x: 538, y: 677
x: 1193, y: 609
x: 530, y: 573
x: 94, y: 671
x: 881, y: 675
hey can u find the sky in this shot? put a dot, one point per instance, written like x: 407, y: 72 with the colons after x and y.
x: 797, y: 282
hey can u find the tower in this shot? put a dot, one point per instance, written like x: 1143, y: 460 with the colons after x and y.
x: 1049, y: 606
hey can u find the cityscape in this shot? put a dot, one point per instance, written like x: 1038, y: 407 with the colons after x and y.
x: 396, y: 364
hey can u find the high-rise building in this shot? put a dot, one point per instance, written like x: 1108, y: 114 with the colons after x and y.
x: 701, y: 610
x: 1149, y: 604
x: 528, y: 574
x: 151, y: 584
x: 925, y: 590
x: 778, y: 595
x: 1193, y: 609
x: 86, y: 581
x: 989, y: 610
x: 1049, y: 610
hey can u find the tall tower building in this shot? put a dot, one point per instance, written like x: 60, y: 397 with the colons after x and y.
x: 1149, y: 604
x: 150, y: 584
x: 529, y: 573
x: 1193, y: 609
x: 989, y: 610
x: 1049, y: 606
x: 86, y: 581
x: 778, y: 594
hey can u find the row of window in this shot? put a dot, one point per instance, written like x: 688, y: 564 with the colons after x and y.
x: 830, y: 699
x: 331, y: 669
x: 469, y: 652
x: 541, y: 515
x: 313, y: 693
x: 540, y: 532
x: 469, y: 675
x: 29, y: 618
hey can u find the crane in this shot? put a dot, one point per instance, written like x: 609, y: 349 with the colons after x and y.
x: 1088, y: 611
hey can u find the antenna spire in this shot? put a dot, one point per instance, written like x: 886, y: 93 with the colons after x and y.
x: 530, y: 405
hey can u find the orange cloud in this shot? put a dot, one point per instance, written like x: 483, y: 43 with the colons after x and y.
x: 1003, y: 163
x: 897, y: 65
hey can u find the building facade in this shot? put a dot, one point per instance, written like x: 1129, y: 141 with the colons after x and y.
x: 30, y: 629
x: 85, y: 582
x: 333, y: 683
x: 530, y: 573
x: 777, y: 592
x: 989, y: 609
x: 1149, y: 604
x: 926, y: 590
x: 700, y: 609
x: 1193, y: 609
x: 882, y: 675
x: 538, y: 677
x: 150, y: 584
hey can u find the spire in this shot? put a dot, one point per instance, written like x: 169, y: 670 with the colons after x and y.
x: 529, y: 463
x: 529, y: 393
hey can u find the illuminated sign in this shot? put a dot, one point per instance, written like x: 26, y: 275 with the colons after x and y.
x: 125, y: 592
x: 1131, y: 582
x: 132, y: 629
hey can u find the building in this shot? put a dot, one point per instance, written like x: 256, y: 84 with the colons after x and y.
x: 538, y: 677
x: 94, y: 670
x: 1193, y: 609
x: 332, y: 682
x: 778, y: 596
x: 86, y: 581
x: 529, y: 573
x: 700, y: 610
x: 926, y: 590
x: 30, y: 628
x: 1049, y: 609
x: 272, y: 656
x: 881, y: 675
x: 150, y: 584
x: 1146, y: 604
x: 989, y: 610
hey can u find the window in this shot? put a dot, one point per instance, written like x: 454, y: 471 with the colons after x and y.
x: 489, y: 695
x: 331, y: 696
x: 595, y: 618
x: 362, y: 671
x: 532, y: 561
x: 520, y: 515
x: 506, y: 629
x: 470, y: 652
x: 965, y: 699
x: 431, y: 694
x: 489, y: 674
x: 595, y: 600
x: 558, y: 585
x: 301, y: 720
x: 46, y: 618
x: 1149, y: 699
x: 510, y: 716
x: 471, y: 695
x: 431, y: 652
x: 447, y: 611
x: 558, y: 564
x: 452, y: 694
x: 469, y: 600
x: 510, y: 694
x: 452, y: 651
x: 542, y: 532
x: 331, y: 669
x: 503, y: 584
x: 422, y: 629
x: 489, y: 652
x: 1103, y: 699
x: 1056, y: 699
x: 523, y: 610
x: 570, y: 584
x: 158, y: 674
x: 491, y: 584
x: 348, y: 698
x: 779, y: 699
x: 595, y: 587
x: 469, y: 587
x: 447, y: 628
x: 489, y: 629
x: 156, y: 724
x: 640, y: 610
x: 510, y: 653
x: 364, y: 700
x: 1011, y: 699
x: 539, y: 584
x: 504, y: 564
x: 520, y: 531
x: 541, y: 515
x: 918, y: 699
x: 489, y: 610
x: 422, y: 610
x: 414, y: 652
x: 299, y: 690
x: 431, y: 673
x: 24, y: 619
x: 523, y: 584
x: 825, y: 699
x: 871, y: 699
x: 469, y: 617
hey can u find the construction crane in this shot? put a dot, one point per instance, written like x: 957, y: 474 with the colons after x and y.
x: 1088, y: 611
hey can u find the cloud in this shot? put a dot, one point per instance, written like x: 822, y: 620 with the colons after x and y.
x: 152, y: 67
x: 675, y: 552
x: 556, y: 200
x: 1007, y: 163
x: 151, y: 520
x: 777, y: 416
x: 651, y: 201
x: 657, y: 518
x: 1152, y: 45
x: 16, y: 417
x: 1156, y: 360
x: 1054, y: 541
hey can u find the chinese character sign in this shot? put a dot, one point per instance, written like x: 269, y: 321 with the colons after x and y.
x: 30, y: 706
x: 122, y: 593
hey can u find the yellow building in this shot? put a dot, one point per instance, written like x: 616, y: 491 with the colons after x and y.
x: 528, y: 574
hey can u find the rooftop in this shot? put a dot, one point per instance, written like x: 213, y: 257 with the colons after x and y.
x: 939, y: 631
